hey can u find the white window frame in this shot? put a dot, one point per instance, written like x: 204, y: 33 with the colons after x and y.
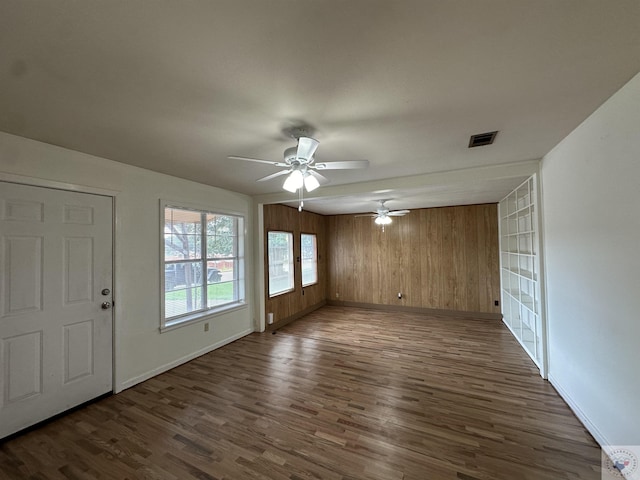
x: 314, y: 261
x: 290, y: 265
x: 238, y: 259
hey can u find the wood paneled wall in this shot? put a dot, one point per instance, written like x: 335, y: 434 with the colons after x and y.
x: 287, y: 219
x: 438, y: 258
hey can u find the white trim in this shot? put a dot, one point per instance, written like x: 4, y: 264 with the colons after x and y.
x: 315, y: 262
x: 42, y: 182
x: 584, y: 419
x: 168, y: 366
x: 260, y: 287
x: 542, y: 272
x: 292, y: 264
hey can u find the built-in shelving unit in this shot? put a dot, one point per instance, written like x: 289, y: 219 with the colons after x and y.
x: 520, y: 270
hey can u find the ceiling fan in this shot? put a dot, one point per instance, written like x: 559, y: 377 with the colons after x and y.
x: 300, y: 164
x: 383, y: 215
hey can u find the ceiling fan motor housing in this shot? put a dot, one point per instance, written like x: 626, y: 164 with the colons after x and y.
x: 290, y: 155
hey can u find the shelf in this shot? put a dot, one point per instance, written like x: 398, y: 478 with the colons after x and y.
x: 520, y: 268
x: 512, y: 293
x: 528, y: 335
x: 515, y: 213
x: 520, y: 254
x: 516, y: 234
x: 514, y: 323
x: 528, y: 302
x: 522, y: 299
x: 521, y: 273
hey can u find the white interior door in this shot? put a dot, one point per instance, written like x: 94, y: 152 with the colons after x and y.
x: 55, y: 274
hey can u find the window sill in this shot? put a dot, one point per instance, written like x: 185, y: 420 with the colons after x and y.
x: 282, y: 293
x: 201, y: 316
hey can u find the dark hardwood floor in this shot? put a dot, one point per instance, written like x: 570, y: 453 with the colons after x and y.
x: 343, y: 393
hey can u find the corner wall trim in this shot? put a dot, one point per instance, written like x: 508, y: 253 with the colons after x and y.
x: 295, y: 316
x: 426, y: 311
x: 168, y: 366
x: 584, y: 419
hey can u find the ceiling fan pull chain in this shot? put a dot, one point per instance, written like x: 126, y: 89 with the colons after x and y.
x: 300, y: 193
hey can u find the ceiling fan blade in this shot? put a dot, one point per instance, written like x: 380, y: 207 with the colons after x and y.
x: 367, y: 215
x: 321, y: 178
x: 342, y: 165
x: 273, y: 175
x: 257, y: 160
x: 398, y: 213
x: 306, y: 147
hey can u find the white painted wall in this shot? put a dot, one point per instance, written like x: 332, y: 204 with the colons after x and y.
x: 591, y: 225
x: 141, y: 351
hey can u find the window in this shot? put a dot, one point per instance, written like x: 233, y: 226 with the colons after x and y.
x: 309, y: 255
x: 202, y: 264
x: 280, y: 253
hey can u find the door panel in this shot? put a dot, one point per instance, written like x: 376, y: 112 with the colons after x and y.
x: 23, y: 366
x: 55, y: 339
x: 78, y: 350
x: 22, y: 274
x: 78, y: 270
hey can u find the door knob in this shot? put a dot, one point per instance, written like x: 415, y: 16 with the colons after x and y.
x: 106, y: 305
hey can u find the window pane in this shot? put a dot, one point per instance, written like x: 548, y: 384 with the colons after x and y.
x: 308, y: 246
x: 221, y: 293
x: 180, y: 275
x: 220, y: 270
x: 221, y: 236
x: 178, y: 247
x: 224, y: 290
x: 182, y: 234
x: 214, y: 275
x: 220, y: 224
x: 280, y: 253
x: 182, y: 300
x: 182, y: 221
x: 221, y: 246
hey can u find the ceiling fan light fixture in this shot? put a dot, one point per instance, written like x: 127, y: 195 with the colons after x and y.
x: 293, y: 182
x: 382, y: 220
x: 300, y: 165
x: 310, y: 182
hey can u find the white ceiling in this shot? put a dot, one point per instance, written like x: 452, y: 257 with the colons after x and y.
x: 177, y: 86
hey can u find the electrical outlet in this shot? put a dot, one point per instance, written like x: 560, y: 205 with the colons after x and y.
x: 337, y: 295
x: 496, y: 303
x: 206, y: 326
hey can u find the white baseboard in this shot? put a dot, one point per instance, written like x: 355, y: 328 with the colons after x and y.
x: 163, y: 368
x: 588, y: 424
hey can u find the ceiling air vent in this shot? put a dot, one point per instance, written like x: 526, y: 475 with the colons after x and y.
x: 482, y: 139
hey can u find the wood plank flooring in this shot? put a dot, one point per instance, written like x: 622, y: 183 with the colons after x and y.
x: 341, y: 394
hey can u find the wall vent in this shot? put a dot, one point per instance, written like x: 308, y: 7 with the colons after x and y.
x: 481, y: 139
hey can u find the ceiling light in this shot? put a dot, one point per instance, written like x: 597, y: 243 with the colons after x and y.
x: 293, y: 182
x: 382, y: 220
x: 310, y: 182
